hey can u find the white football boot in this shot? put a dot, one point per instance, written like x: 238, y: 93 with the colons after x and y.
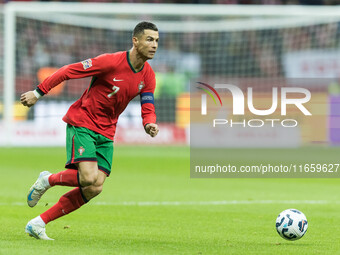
x: 36, y: 231
x: 38, y: 189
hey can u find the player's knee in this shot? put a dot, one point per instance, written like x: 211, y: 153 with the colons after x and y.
x: 88, y: 173
x: 89, y: 179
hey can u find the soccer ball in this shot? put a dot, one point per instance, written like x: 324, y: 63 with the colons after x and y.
x: 291, y: 224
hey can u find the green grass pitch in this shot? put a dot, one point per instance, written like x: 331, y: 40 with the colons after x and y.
x: 150, y: 205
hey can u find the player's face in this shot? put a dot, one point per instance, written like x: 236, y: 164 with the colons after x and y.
x: 147, y: 43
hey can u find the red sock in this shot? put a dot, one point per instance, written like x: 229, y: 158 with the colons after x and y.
x: 69, y: 202
x: 68, y: 177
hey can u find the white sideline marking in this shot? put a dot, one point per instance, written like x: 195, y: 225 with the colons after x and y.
x: 223, y: 202
x: 188, y: 203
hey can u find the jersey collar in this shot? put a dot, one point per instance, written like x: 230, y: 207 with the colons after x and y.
x: 128, y: 60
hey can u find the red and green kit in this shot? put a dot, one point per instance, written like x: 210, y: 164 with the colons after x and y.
x: 114, y: 84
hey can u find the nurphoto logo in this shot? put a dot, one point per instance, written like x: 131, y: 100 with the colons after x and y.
x: 238, y: 105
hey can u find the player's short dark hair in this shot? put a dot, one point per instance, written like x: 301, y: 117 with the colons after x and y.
x: 139, y: 29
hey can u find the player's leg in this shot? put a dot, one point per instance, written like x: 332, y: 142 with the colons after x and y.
x: 70, y: 201
x: 47, y: 180
x: 91, y: 176
x: 88, y: 176
x: 87, y: 173
x: 85, y: 176
x: 80, y: 147
x: 72, y: 178
x: 95, y: 175
x: 77, y: 197
x: 95, y: 189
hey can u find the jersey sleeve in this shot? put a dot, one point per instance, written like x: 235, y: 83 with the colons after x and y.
x: 147, y: 100
x: 86, y: 68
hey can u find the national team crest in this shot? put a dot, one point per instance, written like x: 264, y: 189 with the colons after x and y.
x: 81, y: 150
x: 87, y: 63
x: 141, y: 85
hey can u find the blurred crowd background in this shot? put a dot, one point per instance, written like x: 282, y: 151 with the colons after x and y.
x: 44, y: 43
x: 236, y: 53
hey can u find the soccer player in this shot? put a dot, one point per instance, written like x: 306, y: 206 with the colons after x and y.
x: 91, y: 122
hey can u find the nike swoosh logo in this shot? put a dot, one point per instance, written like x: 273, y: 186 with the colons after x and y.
x: 30, y: 195
x: 114, y: 79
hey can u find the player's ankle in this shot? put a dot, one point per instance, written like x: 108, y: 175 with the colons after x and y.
x: 46, y: 180
x: 39, y: 221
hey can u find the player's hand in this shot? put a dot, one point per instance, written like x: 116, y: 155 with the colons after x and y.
x: 28, y: 99
x: 151, y: 129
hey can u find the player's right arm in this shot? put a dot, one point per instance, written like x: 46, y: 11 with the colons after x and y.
x: 86, y: 68
x: 29, y: 98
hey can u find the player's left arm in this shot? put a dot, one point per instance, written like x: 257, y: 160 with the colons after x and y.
x: 148, y: 108
x: 151, y: 129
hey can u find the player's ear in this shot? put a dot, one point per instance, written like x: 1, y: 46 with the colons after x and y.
x: 134, y: 41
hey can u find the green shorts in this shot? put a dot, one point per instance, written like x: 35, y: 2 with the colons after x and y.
x: 83, y: 144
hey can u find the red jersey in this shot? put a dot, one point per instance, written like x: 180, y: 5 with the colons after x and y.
x: 114, y: 84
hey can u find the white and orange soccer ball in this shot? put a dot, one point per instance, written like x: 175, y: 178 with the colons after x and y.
x: 291, y: 224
